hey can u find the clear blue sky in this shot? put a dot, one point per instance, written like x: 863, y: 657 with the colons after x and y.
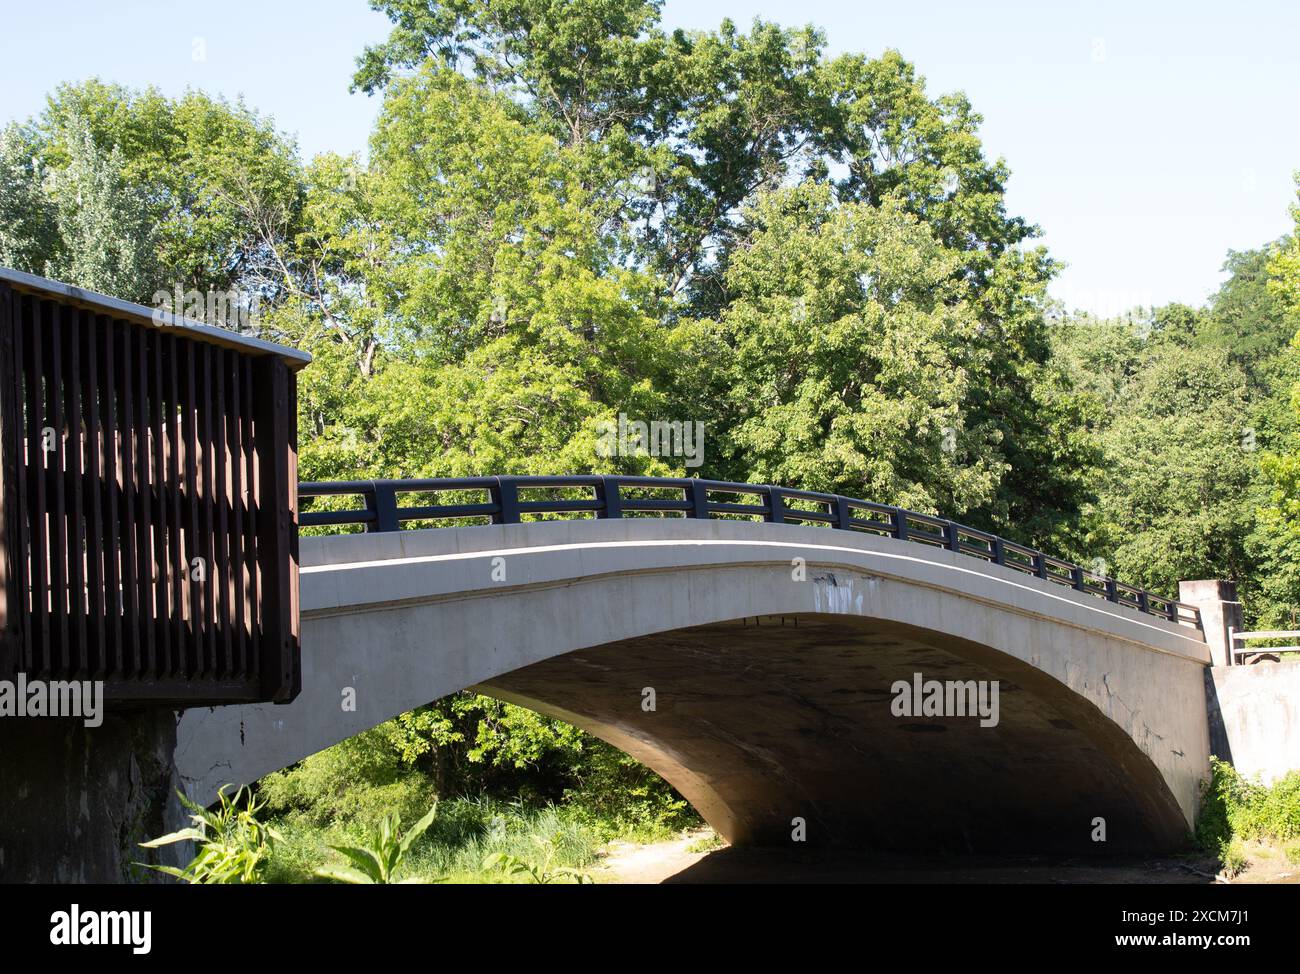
x: 1146, y: 139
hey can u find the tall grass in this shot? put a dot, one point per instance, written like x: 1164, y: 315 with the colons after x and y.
x: 465, y: 832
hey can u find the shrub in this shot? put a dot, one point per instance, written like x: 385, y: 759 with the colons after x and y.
x: 1271, y: 813
x: 1221, y: 793
x: 1232, y: 858
x: 233, y: 846
x: 469, y: 746
x: 1233, y: 809
x: 620, y: 797
x: 353, y: 784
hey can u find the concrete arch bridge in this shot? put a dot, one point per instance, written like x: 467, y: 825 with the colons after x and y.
x: 759, y: 647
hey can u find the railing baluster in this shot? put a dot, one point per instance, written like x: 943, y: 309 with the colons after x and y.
x: 843, y: 513
x: 698, y: 494
x: 385, y: 501
x: 775, y: 505
x: 505, y: 494
x: 611, y: 501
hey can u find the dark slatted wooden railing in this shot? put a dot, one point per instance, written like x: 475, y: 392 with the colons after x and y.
x: 149, y: 482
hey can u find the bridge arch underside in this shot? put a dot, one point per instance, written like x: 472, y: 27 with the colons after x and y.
x: 772, y: 685
x: 763, y: 720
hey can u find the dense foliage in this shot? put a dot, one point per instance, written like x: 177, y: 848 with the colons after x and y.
x: 1234, y: 810
x: 468, y: 745
x: 1195, y: 414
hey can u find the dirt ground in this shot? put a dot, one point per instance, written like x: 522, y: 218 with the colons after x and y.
x: 674, y: 861
x: 656, y: 862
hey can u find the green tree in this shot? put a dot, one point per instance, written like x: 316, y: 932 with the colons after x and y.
x: 855, y: 350
x: 28, y: 218
x: 1245, y: 315
x: 1179, y: 465
x: 1276, y: 542
x: 213, y: 181
x: 495, y: 327
x: 106, y: 235
x: 674, y: 137
x: 1284, y: 268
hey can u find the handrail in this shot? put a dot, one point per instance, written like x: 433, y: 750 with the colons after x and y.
x: 1242, y: 653
x: 616, y: 497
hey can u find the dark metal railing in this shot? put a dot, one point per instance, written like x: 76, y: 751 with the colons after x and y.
x: 507, y: 500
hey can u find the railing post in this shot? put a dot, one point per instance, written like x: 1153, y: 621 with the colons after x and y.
x: 277, y: 528
x: 382, y: 499
x: 1143, y: 604
x: 843, y: 513
x: 1076, y: 576
x: 12, y: 556
x: 1040, y: 564
x: 1112, y: 591
x: 998, y: 551
x: 505, y: 494
x: 952, y: 536
x: 698, y: 495
x: 775, y: 505
x: 611, y: 501
x: 900, y: 523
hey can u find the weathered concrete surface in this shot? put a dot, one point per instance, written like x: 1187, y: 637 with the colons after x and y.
x: 1255, y: 717
x: 765, y: 720
x: 1101, y: 700
x: 1220, y: 614
x: 76, y: 801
